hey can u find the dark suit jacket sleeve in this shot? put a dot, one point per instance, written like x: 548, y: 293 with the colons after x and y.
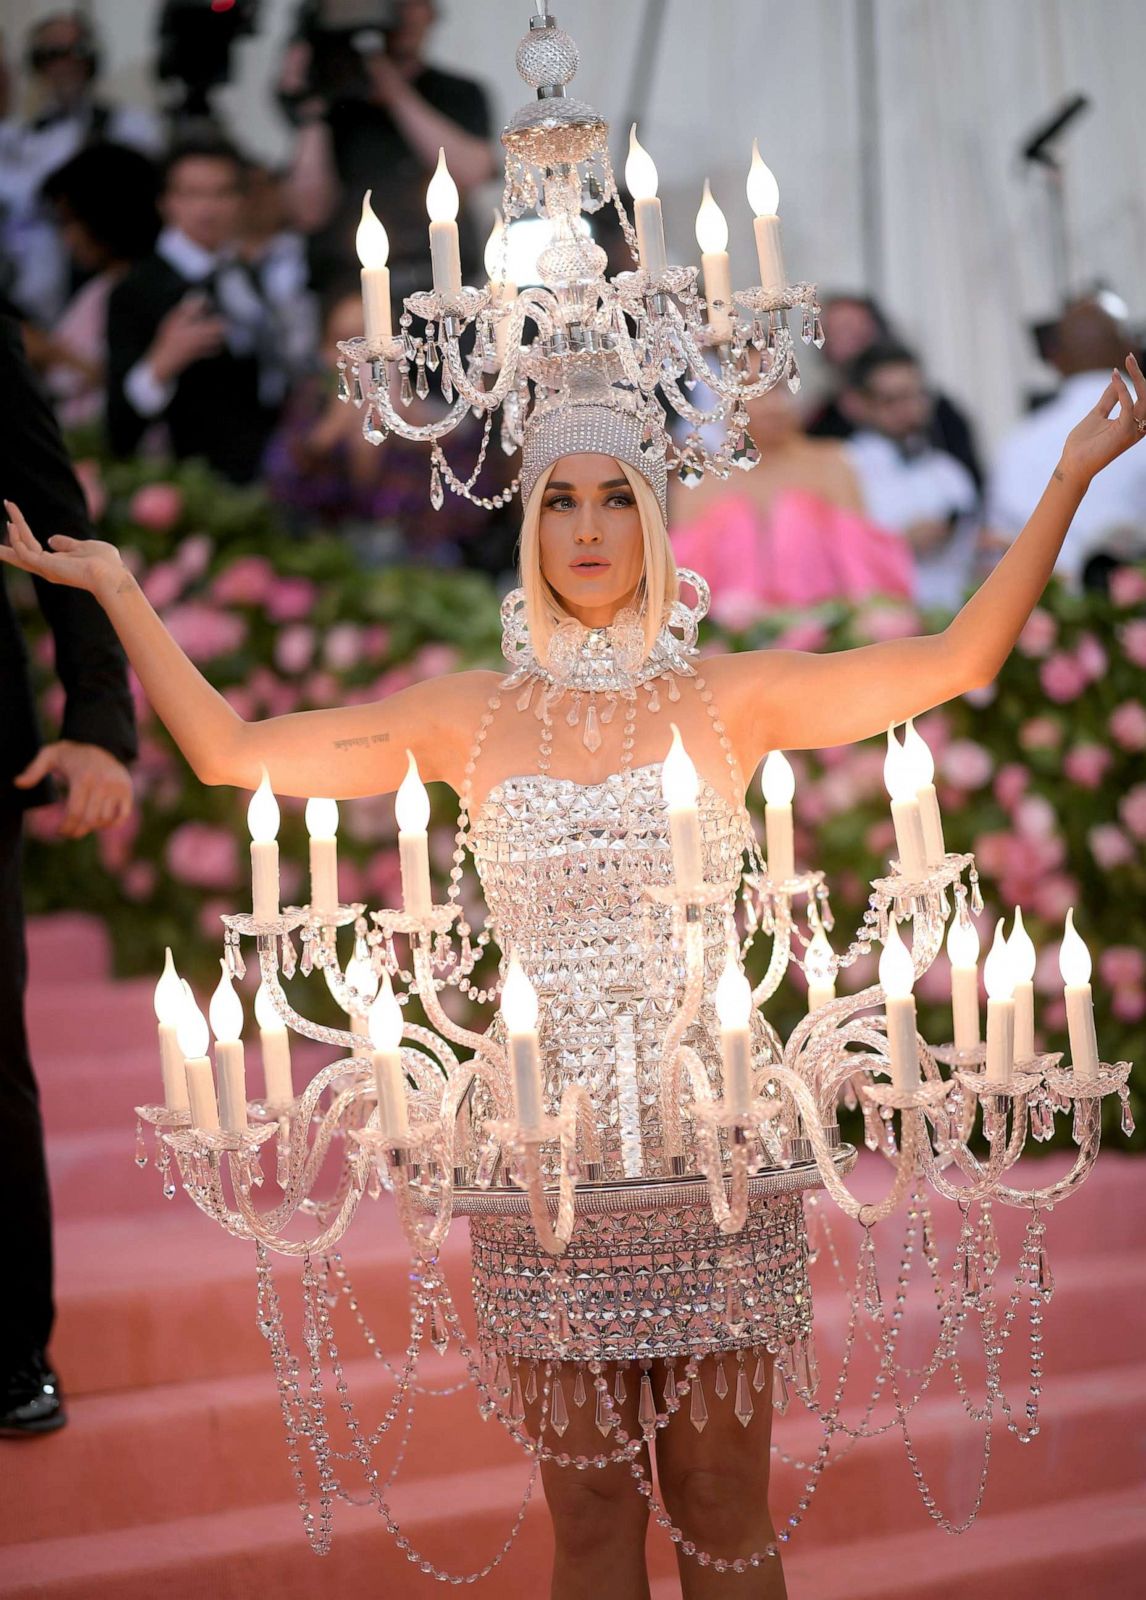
x: 35, y: 472
x: 134, y: 313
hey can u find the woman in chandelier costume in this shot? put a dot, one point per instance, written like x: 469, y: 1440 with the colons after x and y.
x: 551, y: 762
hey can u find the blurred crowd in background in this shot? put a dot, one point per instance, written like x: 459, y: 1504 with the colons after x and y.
x: 185, y: 301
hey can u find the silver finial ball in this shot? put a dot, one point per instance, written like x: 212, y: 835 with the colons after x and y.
x: 547, y: 56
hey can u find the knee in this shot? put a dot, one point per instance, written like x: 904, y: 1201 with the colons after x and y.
x: 594, y: 1508
x: 719, y: 1508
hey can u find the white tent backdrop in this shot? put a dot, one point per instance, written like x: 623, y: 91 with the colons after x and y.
x: 901, y: 175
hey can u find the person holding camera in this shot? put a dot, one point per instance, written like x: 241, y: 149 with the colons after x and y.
x: 372, y: 114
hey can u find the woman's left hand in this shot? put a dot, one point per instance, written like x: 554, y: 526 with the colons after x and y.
x: 1099, y: 437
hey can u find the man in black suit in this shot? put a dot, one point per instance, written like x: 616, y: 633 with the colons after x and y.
x: 193, y: 340
x: 96, y: 739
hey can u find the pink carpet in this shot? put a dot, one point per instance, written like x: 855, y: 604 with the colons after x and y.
x: 172, y: 1478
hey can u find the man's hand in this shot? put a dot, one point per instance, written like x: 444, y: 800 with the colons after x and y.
x: 186, y: 335
x: 99, y: 786
x: 387, y: 82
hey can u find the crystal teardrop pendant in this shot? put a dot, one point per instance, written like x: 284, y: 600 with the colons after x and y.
x: 743, y: 1404
x: 447, y: 385
x: 517, y: 1404
x: 646, y: 1410
x: 356, y: 393
x: 746, y: 455
x: 372, y: 430
x: 690, y: 474
x: 591, y: 735
x: 579, y: 1396
x: 437, y: 495
x: 406, y: 393
x: 698, y: 1407
x: 793, y: 375
x: 721, y: 1384
x: 501, y: 1376
x: 1045, y: 1275
x: 558, y: 1414
x: 343, y: 385
x: 670, y: 1390
x: 781, y: 1394
x: 619, y: 1390
x: 1127, y: 1113
x: 603, y: 1420
x: 421, y: 382
x: 760, y: 1376
x: 140, y: 1146
x: 531, y: 1384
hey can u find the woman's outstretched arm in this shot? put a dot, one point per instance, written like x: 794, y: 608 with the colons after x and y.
x: 341, y: 754
x: 792, y: 700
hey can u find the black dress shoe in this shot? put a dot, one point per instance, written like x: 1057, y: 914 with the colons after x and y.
x: 31, y: 1401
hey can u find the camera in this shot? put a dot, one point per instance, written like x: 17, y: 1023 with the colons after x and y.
x: 341, y: 34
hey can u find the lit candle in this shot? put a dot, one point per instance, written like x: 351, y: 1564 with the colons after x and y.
x: 519, y: 1009
x: 169, y: 1000
x: 1024, y: 959
x: 363, y: 979
x: 819, y: 965
x: 502, y: 292
x: 386, y: 1037
x: 373, y: 251
x: 412, y: 809
x: 226, y: 1014
x: 679, y: 787
x: 1074, y: 964
x: 641, y: 179
x: 712, y: 237
x: 445, y: 252
x: 999, y: 977
x: 278, y: 1087
x: 916, y: 750
x: 263, y: 821
x: 322, y: 825
x: 733, y: 1000
x: 896, y: 977
x: 764, y: 198
x: 193, y: 1041
x: 778, y: 782
x: 898, y: 776
x: 963, y: 951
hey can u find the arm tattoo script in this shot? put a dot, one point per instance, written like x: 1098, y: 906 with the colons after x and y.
x: 363, y: 739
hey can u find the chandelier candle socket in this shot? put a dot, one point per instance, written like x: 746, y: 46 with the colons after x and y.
x: 277, y: 1081
x: 819, y: 961
x: 764, y: 198
x: 899, y: 777
x: 412, y: 809
x: 263, y: 821
x: 999, y: 977
x: 1075, y: 965
x: 641, y: 178
x: 896, y: 977
x: 386, y: 1037
x: 445, y: 250
x: 733, y: 1001
x: 963, y: 950
x: 1024, y: 958
x: 519, y: 1011
x: 778, y: 782
x: 193, y: 1041
x: 322, y: 826
x: 923, y: 773
x: 502, y: 292
x: 226, y: 1016
x: 169, y: 1002
x: 680, y: 787
x: 373, y: 248
x: 712, y: 237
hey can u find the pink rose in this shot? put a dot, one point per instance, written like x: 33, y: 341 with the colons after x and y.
x: 1129, y: 1005
x: 1132, y: 810
x: 1091, y: 656
x: 1128, y: 725
x: 1011, y: 783
x: 736, y: 609
x: 138, y: 880
x: 246, y: 582
x: 1086, y: 764
x: 290, y: 880
x: 383, y: 881
x: 1122, y: 966
x: 194, y: 555
x: 1132, y: 636
x: 211, y: 913
x: 1128, y: 586
x: 157, y: 506
x: 370, y: 818
x: 289, y: 599
x: 204, y: 631
x: 966, y: 764
x: 880, y: 837
x: 163, y: 584
x: 92, y: 484
x: 1048, y: 978
x: 1040, y: 733
x: 204, y: 856
x: 375, y: 642
x: 1109, y: 845
x: 434, y: 661
x: 342, y: 646
x: 1054, y: 1014
x: 294, y: 648
x: 1035, y: 817
x: 322, y: 689
x: 1039, y: 633
x: 390, y: 682
x: 1063, y: 677
x: 1053, y: 896
x: 805, y: 635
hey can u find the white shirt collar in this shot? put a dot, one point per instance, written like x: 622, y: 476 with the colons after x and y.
x: 189, y: 259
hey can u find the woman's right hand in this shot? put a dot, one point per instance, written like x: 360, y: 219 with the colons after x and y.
x: 89, y: 564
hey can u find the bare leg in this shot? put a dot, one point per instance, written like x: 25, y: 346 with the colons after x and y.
x: 599, y: 1515
x: 715, y: 1487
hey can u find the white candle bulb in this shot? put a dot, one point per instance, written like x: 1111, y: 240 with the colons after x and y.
x: 680, y: 787
x: 412, y: 809
x: 442, y: 198
x: 322, y: 826
x: 226, y: 1014
x: 194, y: 1041
x: 764, y: 198
x: 502, y: 292
x: 386, y: 1027
x: 999, y: 978
x: 519, y: 1010
x: 963, y: 943
x: 192, y: 1030
x: 905, y: 814
x: 921, y: 766
x: 819, y: 964
x: 711, y: 224
x: 278, y: 1089
x: 1024, y: 958
x: 263, y: 822
x: 442, y: 202
x: 1075, y: 966
x: 778, y: 783
x: 641, y: 179
x: 169, y: 1002
x: 897, y: 977
x: 733, y: 1001
x: 712, y: 237
x: 495, y: 266
x: 963, y: 952
x: 373, y: 248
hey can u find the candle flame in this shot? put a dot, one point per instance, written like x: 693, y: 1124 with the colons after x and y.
x: 999, y: 968
x: 919, y: 755
x: 321, y: 818
x: 819, y: 958
x: 1073, y: 958
x: 263, y: 812
x: 711, y: 224
x: 963, y: 942
x: 266, y: 1016
x: 733, y: 996
x: 495, y: 266
x: 896, y: 968
x: 640, y: 169
x: 1021, y: 947
x: 897, y: 773
x: 226, y: 1010
x: 777, y: 780
x: 371, y: 240
x: 679, y: 782
x: 169, y: 996
x: 191, y: 1030
x: 384, y: 1020
x: 442, y: 199
x: 763, y: 190
x: 412, y: 803
x: 518, y: 999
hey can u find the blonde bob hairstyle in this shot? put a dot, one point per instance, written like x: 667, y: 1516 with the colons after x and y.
x: 656, y: 591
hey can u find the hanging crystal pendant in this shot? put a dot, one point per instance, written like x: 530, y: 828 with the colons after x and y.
x: 970, y: 1273
x: 793, y: 375
x: 603, y: 1420
x: 579, y: 1396
x: 746, y: 455
x: 619, y: 1390
x: 698, y: 1407
x: 406, y: 393
x: 760, y: 1376
x: 818, y: 332
x: 447, y: 385
x: 647, y: 1410
x: 743, y: 1404
x: 721, y: 1384
x: 343, y: 385
x: 558, y: 1414
x: 432, y: 358
x: 781, y: 1394
x: 140, y: 1145
x: 437, y: 494
x: 531, y: 1384
x: 501, y: 1376
x: 421, y: 382
x: 356, y: 389
x: 670, y: 1389
x: 1045, y: 1277
x: 989, y: 1252
x: 690, y: 474
x: 517, y: 1404
x: 591, y: 735
x: 1127, y: 1113
x: 372, y: 430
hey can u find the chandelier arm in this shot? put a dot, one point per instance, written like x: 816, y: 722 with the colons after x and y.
x: 434, y: 1044
x: 342, y: 1037
x: 577, y: 1101
x: 426, y: 1240
x: 984, y: 1175
x: 425, y: 433
x: 549, y: 1238
x: 778, y: 961
x: 321, y: 1242
x: 480, y: 1043
x: 738, y: 391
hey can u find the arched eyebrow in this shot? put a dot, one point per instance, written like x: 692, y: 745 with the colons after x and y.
x: 610, y: 483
